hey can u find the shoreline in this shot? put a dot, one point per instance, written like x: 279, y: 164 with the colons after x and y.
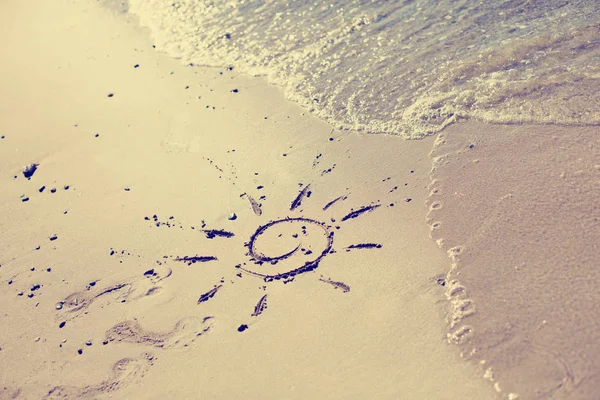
x: 526, y: 209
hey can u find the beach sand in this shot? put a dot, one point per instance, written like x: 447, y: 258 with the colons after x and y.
x: 127, y: 263
x: 516, y: 208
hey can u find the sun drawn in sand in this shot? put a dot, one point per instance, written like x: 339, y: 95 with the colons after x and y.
x: 285, y: 248
x: 278, y: 251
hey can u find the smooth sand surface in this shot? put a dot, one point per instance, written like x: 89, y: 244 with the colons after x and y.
x: 517, y: 209
x: 95, y: 302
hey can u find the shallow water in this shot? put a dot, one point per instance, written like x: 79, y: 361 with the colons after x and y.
x: 407, y: 68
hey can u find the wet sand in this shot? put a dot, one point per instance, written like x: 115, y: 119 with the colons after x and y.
x: 128, y: 268
x: 516, y: 208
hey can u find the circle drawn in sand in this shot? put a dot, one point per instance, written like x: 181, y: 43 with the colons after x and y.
x: 268, y: 266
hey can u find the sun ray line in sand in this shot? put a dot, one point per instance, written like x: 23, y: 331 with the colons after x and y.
x: 260, y: 307
x: 364, y: 246
x: 336, y: 285
x: 209, y: 295
x: 305, y: 192
x: 189, y: 260
x: 359, y: 212
x: 213, y: 233
x: 332, y: 202
x: 256, y: 207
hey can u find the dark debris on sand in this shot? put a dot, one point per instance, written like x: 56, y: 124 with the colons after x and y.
x: 30, y: 170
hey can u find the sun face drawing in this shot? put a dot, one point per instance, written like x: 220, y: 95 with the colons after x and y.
x: 285, y: 248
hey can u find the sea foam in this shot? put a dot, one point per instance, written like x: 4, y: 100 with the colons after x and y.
x: 407, y: 68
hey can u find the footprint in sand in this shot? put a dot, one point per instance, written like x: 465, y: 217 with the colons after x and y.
x: 185, y: 332
x: 76, y: 304
x: 125, y: 372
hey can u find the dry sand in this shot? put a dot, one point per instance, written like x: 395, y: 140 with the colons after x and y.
x: 142, y: 175
x: 175, y: 141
